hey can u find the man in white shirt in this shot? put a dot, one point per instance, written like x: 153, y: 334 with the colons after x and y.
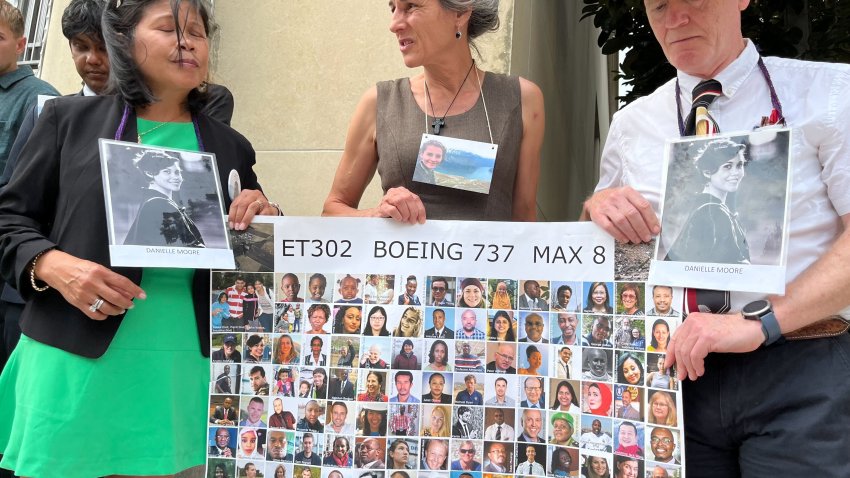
x: 562, y: 364
x: 529, y: 466
x: 568, y: 323
x: 339, y: 419
x: 500, y: 399
x: 703, y: 41
x: 499, y: 430
x: 596, y: 439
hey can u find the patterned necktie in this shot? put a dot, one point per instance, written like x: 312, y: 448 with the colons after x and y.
x: 698, y: 120
x: 700, y: 123
x: 499, y: 433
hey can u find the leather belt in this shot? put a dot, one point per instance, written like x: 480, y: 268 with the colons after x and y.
x: 829, y: 327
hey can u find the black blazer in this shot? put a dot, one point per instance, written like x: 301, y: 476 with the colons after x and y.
x: 55, y: 200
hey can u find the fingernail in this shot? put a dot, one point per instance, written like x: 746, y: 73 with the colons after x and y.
x: 230, y: 225
x: 242, y: 226
x: 131, y: 306
x: 143, y: 296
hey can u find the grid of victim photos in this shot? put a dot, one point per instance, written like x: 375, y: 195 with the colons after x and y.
x: 318, y: 375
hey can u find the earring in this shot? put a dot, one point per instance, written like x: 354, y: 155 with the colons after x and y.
x: 202, y: 88
x: 458, y: 34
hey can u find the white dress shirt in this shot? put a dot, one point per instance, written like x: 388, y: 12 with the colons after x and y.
x: 816, y: 104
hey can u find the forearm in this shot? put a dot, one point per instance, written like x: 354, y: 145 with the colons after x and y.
x: 336, y: 207
x: 820, y: 291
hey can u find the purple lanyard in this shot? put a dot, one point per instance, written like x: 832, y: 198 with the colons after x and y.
x: 774, y: 98
x: 119, y: 133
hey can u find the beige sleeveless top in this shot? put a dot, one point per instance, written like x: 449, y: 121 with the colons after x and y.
x: 401, y: 123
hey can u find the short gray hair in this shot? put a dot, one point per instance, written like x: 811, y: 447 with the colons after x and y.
x: 484, y: 18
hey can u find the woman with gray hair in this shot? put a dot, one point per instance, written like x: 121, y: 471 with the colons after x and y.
x: 712, y: 232
x: 451, y: 97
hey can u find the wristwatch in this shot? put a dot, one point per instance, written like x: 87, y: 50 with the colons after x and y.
x: 762, y: 311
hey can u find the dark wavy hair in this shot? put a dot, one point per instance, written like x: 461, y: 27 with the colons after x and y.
x: 82, y: 17
x: 621, y: 378
x: 509, y: 336
x: 119, y: 22
x: 340, y: 315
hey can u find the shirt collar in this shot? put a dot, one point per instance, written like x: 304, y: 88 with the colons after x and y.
x: 88, y: 91
x: 731, y: 78
x: 9, y: 79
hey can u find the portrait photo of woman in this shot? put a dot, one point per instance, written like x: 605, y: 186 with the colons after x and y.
x: 160, y: 220
x: 472, y: 293
x: 598, y: 298
x: 713, y: 232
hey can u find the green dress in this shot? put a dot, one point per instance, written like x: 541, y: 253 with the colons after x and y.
x: 140, y: 409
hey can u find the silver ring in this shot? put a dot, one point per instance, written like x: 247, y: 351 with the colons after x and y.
x: 96, y: 305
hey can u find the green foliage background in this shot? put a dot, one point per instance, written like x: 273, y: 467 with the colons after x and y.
x: 806, y: 29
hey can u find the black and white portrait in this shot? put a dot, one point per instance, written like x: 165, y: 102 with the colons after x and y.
x: 162, y: 198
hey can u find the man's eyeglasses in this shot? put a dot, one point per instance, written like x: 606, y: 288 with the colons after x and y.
x: 666, y: 441
x: 437, y: 289
x: 467, y: 451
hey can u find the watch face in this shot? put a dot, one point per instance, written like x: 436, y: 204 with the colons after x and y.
x: 756, y: 307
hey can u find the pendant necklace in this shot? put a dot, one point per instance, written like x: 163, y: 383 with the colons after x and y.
x: 441, y: 122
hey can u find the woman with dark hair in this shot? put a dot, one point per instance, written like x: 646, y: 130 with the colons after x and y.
x: 502, y: 327
x: 451, y: 97
x: 348, y: 320
x: 534, y: 359
x: 598, y: 299
x: 471, y: 293
x: 220, y: 471
x: 374, y: 420
x: 373, y: 393
x: 83, y: 327
x: 661, y: 378
x: 399, y: 455
x: 566, y: 399
x: 561, y: 462
x: 376, y: 322
x: 219, y: 311
x: 629, y: 369
x: 406, y: 359
x: 712, y: 232
x: 160, y: 221
x: 660, y: 336
x: 438, y: 357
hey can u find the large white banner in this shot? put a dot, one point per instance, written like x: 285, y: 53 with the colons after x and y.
x: 361, y: 347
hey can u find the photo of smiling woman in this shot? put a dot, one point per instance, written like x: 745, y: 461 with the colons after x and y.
x: 160, y: 220
x: 712, y: 232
